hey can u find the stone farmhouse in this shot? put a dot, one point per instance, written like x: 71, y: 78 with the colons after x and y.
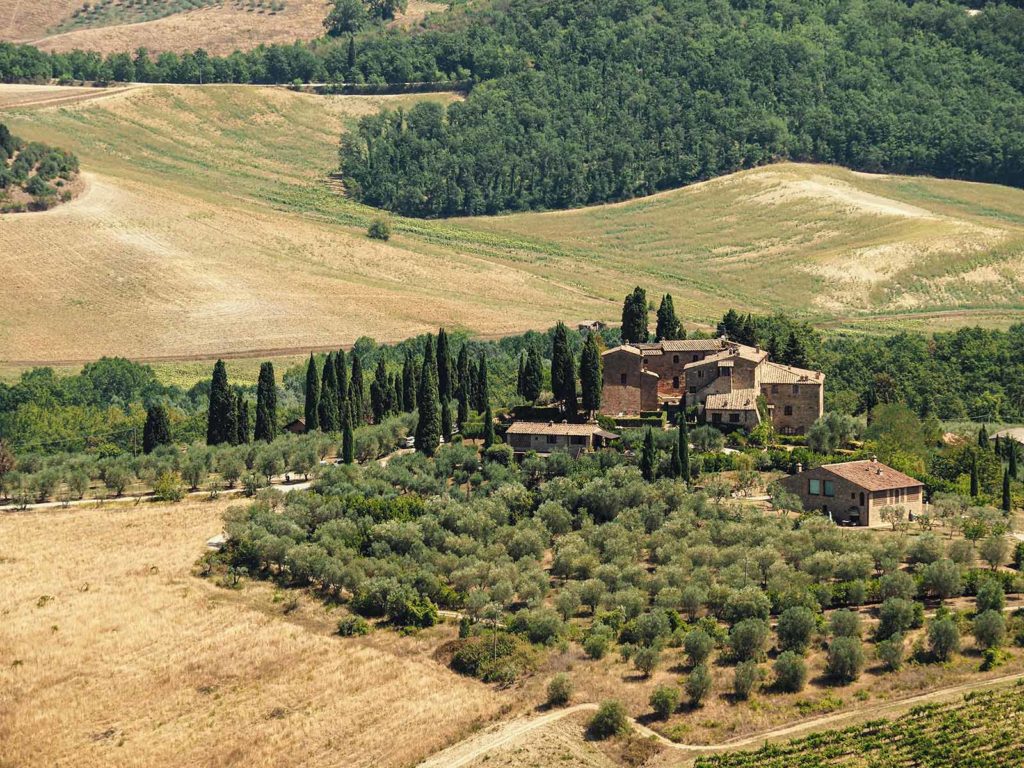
x: 854, y: 492
x: 724, y: 378
x: 545, y: 438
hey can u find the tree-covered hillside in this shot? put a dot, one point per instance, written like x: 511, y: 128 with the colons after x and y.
x: 608, y: 100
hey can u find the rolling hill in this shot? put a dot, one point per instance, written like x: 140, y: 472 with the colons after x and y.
x: 210, y: 225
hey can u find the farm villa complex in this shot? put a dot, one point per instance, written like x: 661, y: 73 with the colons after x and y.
x: 734, y: 385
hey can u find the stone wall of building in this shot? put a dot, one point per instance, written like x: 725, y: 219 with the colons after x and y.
x: 796, y: 406
x: 627, y: 386
x: 849, y: 499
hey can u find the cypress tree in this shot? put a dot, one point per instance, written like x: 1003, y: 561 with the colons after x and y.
x: 357, y: 392
x: 428, y: 427
x: 351, y: 60
x: 347, y: 438
x: 974, y: 476
x: 1007, y: 499
x: 312, y: 395
x: 328, y: 411
x: 266, y: 404
x: 634, y: 317
x: 157, y: 430
x: 647, y: 457
x: 241, y: 421
x: 395, y: 393
x: 668, y: 326
x: 379, y: 392
x: 520, y: 385
x: 1011, y: 451
x: 408, y: 384
x: 983, y: 438
x: 462, y: 385
x: 483, y: 390
x: 446, y: 420
x: 998, y: 446
x: 341, y: 373
x: 590, y: 374
x: 795, y: 353
x: 730, y: 325
x: 220, y: 425
x: 684, y: 447
x: 563, y: 371
x: 445, y: 378
x: 488, y: 427
x: 533, y: 375
x: 748, y: 331
x: 676, y: 463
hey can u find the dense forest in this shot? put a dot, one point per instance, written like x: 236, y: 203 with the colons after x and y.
x: 580, y: 103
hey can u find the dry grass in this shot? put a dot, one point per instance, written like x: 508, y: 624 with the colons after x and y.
x: 218, y: 29
x: 113, y: 654
x: 210, y: 227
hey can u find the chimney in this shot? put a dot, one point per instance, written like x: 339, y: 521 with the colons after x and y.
x: 874, y: 458
x: 551, y: 423
x: 799, y: 467
x: 565, y: 421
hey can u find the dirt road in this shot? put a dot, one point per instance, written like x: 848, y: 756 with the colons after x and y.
x: 479, y: 745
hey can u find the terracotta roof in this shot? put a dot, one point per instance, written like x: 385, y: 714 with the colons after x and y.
x: 871, y: 475
x: 684, y: 345
x: 1014, y: 433
x: 737, y: 400
x: 556, y: 428
x: 623, y: 348
x: 742, y: 352
x: 774, y: 373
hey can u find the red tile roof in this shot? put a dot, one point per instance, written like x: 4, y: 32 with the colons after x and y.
x: 872, y: 475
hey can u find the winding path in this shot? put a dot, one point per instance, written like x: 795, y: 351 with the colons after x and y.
x: 477, y: 746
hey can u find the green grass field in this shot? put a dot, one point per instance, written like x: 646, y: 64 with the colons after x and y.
x: 211, y: 225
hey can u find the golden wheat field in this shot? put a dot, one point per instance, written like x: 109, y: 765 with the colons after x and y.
x: 113, y: 654
x: 210, y: 225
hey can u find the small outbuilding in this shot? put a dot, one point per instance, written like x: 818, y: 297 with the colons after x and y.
x: 854, y: 492
x: 548, y: 437
x: 296, y: 427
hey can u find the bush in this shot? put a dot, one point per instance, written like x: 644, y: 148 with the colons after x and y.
x: 989, y: 629
x: 890, y: 652
x: 747, y: 639
x: 991, y: 596
x: 492, y: 657
x: 845, y: 659
x: 379, y: 229
x: 698, y: 645
x: 790, y: 672
x: 664, y: 701
x: 540, y: 625
x: 746, y: 678
x: 646, y: 659
x: 168, y: 487
x: 596, y: 643
x: 896, y: 616
x: 559, y: 690
x: 796, y: 625
x: 609, y: 720
x: 352, y: 626
x: 943, y: 638
x: 845, y: 623
x: 698, y: 684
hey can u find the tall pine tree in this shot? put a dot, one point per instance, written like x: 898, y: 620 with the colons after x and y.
x: 482, y: 389
x: 347, y: 437
x: 341, y: 374
x: 357, y: 391
x: 520, y: 386
x: 157, y: 430
x: 488, y: 427
x: 1011, y: 452
x: 312, y: 404
x: 445, y: 378
x: 328, y: 410
x: 220, y: 425
x: 533, y: 374
x: 409, y: 383
x: 428, y: 427
x: 379, y: 393
x: 983, y: 438
x: 634, y: 317
x: 266, y: 404
x: 590, y: 374
x: 242, y: 434
x: 563, y: 371
x: 668, y: 326
x: 647, y: 457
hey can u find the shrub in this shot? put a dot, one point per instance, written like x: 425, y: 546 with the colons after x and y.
x: 560, y: 690
x: 746, y: 678
x: 943, y: 638
x: 845, y: 659
x: 845, y: 624
x: 492, y: 657
x: 890, y: 652
x: 790, y: 672
x: 698, y: 684
x: 796, y: 625
x: 168, y: 487
x: 698, y: 645
x: 896, y: 616
x: 942, y: 579
x: 897, y: 584
x: 989, y: 629
x: 646, y: 659
x: 664, y: 701
x: 609, y: 720
x: 352, y: 626
x: 596, y: 643
x: 747, y: 639
x: 747, y: 603
x: 540, y: 625
x: 379, y: 229
x: 991, y: 596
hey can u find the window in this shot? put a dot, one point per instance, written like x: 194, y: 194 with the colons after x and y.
x: 675, y: 382
x: 675, y: 358
x: 862, y: 498
x: 700, y: 374
x: 734, y: 418
x: 796, y: 389
x: 693, y: 390
x: 577, y: 440
x: 552, y: 439
x: 775, y: 389
x: 716, y: 418
x: 727, y: 371
x: 830, y: 488
x: 788, y: 410
x: 814, y: 487
x: 622, y: 379
x: 696, y: 358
